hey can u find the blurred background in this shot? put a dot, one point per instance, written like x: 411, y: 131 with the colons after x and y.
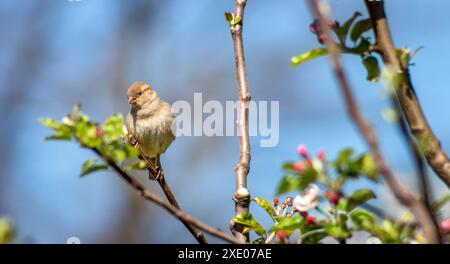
x: 54, y: 54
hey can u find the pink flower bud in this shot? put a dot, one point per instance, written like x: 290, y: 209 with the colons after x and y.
x: 445, y: 226
x: 99, y: 131
x: 322, y: 38
x: 322, y: 155
x: 302, y: 151
x: 311, y: 219
x: 290, y: 201
x: 314, y: 27
x: 333, y: 196
x: 282, y: 235
x: 275, y: 201
x: 299, y: 167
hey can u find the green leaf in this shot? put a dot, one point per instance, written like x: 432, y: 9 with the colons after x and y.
x: 291, y: 183
x: 343, y: 203
x: 289, y: 224
x: 307, y: 56
x: 131, y: 151
x: 363, y: 46
x: 358, y: 198
x: 407, y: 217
x: 260, y: 240
x: 287, y: 184
x: 91, y: 166
x: 344, y: 156
x: 118, y: 155
x: 308, y: 176
x: 363, y: 219
x: 140, y: 165
x: 404, y: 56
x: 337, y: 231
x: 62, y: 132
x: 350, y: 166
x: 232, y: 18
x: 372, y: 68
x: 390, y: 232
x: 112, y: 127
x: 288, y: 166
x: 250, y: 223
x: 86, y: 133
x: 50, y: 123
x: 441, y: 202
x: 346, y: 165
x: 229, y: 17
x: 343, y: 30
x: 394, y: 231
x: 369, y: 168
x: 266, y: 206
x: 360, y: 27
x: 236, y: 20
x: 314, y: 236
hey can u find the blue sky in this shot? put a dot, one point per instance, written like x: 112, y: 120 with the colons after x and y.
x: 185, y: 48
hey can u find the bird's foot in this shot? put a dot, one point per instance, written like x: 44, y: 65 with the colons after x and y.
x: 133, y: 141
x: 159, y: 175
x: 158, y: 169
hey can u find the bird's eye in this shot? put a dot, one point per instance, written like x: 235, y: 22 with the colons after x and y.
x: 140, y: 92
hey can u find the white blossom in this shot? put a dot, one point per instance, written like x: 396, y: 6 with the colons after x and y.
x: 308, y: 200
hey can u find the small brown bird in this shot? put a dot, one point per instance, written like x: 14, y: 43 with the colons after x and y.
x: 150, y: 121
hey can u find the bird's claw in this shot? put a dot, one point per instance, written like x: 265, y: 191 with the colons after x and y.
x: 133, y: 141
x: 159, y: 174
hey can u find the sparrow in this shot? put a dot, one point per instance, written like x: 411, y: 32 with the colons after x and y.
x: 150, y: 121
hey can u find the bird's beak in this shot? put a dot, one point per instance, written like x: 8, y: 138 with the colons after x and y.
x: 131, y: 100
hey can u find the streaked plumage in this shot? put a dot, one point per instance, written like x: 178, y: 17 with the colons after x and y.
x: 150, y: 120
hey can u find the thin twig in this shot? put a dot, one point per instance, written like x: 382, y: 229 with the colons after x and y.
x: 242, y: 195
x: 407, y: 98
x: 403, y: 194
x: 170, y: 196
x: 177, y: 212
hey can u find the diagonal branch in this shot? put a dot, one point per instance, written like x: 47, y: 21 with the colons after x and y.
x: 407, y: 98
x: 426, y: 191
x: 242, y: 195
x: 403, y: 194
x: 159, y: 176
x: 174, y: 210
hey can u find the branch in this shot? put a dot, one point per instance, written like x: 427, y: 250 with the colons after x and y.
x: 407, y: 98
x: 177, y: 212
x: 403, y: 194
x: 169, y: 195
x: 242, y: 195
x: 426, y: 191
